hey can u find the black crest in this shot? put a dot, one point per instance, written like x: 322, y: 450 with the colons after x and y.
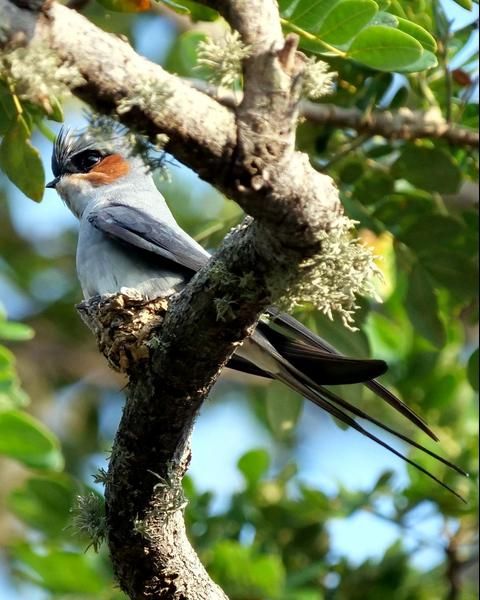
x: 73, y: 153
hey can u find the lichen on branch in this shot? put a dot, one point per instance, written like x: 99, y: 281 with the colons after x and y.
x: 223, y: 58
x: 36, y: 74
x: 332, y: 280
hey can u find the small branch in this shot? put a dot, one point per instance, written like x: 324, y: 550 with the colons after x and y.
x: 403, y: 124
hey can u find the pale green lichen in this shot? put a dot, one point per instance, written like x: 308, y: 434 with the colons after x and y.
x: 223, y: 58
x: 38, y: 75
x: 147, y: 95
x: 318, y: 81
x: 169, y: 493
x: 89, y: 519
x: 331, y: 281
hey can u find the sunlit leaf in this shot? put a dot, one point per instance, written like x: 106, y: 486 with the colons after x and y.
x: 310, y: 15
x: 467, y: 4
x: 428, y: 60
x: 345, y: 20
x: 385, y: 48
x: 419, y: 33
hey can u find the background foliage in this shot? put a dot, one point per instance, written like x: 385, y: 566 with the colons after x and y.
x: 271, y: 532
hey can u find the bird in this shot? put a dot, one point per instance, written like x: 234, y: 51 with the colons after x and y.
x: 129, y: 239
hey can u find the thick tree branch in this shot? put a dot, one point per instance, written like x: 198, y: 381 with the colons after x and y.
x: 249, y: 155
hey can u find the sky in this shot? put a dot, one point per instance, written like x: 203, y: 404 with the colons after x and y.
x: 324, y: 461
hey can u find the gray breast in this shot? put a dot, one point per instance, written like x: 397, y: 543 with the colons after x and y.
x: 104, y: 266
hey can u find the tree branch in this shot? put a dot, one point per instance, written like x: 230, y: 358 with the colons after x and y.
x: 403, y: 124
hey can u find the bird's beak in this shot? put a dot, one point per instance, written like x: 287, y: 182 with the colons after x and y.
x: 53, y: 183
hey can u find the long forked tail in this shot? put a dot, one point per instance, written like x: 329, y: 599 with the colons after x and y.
x: 331, y: 403
x: 295, y: 342
x: 307, y: 364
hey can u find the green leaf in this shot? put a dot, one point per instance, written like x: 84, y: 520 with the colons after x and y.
x: 431, y: 169
x: 452, y: 270
x: 15, y: 332
x: 44, y: 503
x: 7, y: 360
x: 422, y: 307
x: 254, y: 465
x: 244, y: 573
x: 11, y: 395
x: 310, y: 14
x: 467, y: 4
x: 178, y: 8
x: 472, y: 370
x: 373, y: 186
x: 21, y: 162
x: 428, y: 60
x: 385, y: 48
x: 419, y: 33
x: 61, y: 571
x: 429, y: 232
x: 345, y: 20
x: 25, y: 439
x: 351, y: 170
x: 388, y: 339
x: 385, y: 18
x: 284, y: 408
x: 57, y: 110
x: 287, y: 7
x: 183, y: 56
x: 8, y: 111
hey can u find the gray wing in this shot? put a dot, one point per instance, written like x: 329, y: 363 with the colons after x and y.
x: 132, y: 226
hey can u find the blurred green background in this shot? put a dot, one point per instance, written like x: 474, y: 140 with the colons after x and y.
x: 292, y: 507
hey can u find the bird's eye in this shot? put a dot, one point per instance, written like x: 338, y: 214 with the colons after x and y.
x: 84, y: 161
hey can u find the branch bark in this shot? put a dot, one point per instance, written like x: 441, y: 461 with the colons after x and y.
x: 402, y: 124
x: 249, y: 154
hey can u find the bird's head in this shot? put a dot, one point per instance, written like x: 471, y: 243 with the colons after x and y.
x: 80, y: 158
x: 84, y: 167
